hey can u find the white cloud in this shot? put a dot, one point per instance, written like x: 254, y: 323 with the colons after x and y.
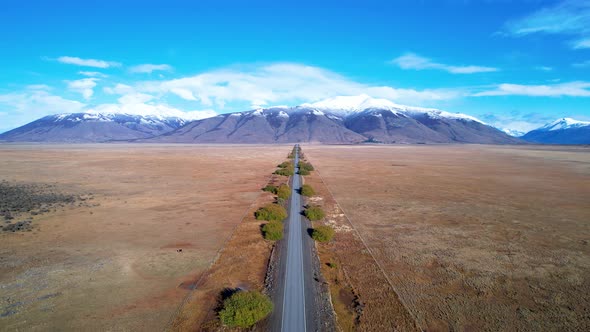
x: 544, y: 68
x: 584, y: 64
x: 417, y: 62
x: 92, y: 74
x: 569, y: 89
x: 87, y: 62
x: 139, y: 104
x: 39, y: 87
x: 83, y: 86
x: 280, y: 83
x: 582, y: 43
x: 31, y: 104
x: 148, y: 68
x: 119, y: 89
x: 570, y: 17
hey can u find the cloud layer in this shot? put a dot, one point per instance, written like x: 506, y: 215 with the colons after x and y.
x: 148, y: 68
x: 417, y: 62
x: 71, y: 60
x: 571, y: 17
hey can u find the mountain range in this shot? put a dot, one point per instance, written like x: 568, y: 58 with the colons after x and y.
x: 339, y: 120
x: 561, y: 131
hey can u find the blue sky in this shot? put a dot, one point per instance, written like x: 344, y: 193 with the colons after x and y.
x: 513, y: 64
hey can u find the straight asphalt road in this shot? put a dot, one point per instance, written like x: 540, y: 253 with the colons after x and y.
x: 293, y: 317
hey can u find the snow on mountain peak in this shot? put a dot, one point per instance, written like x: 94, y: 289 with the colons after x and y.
x: 350, y: 104
x: 564, y: 123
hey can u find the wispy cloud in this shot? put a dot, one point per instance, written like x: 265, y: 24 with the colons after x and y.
x: 148, y: 68
x: 569, y: 89
x: 571, y: 17
x: 517, y: 121
x: 417, y: 62
x: 582, y: 43
x: 92, y: 74
x: 83, y: 86
x: 32, y: 104
x: 544, y: 68
x: 87, y: 62
x: 584, y: 64
x: 280, y: 83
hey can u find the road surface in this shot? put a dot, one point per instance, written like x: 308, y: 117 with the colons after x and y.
x: 293, y: 313
x: 299, y: 296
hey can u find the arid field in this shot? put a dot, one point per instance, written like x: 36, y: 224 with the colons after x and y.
x: 474, y: 238
x: 112, y: 262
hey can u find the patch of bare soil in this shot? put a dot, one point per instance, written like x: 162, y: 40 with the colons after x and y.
x: 125, y: 260
x: 473, y: 238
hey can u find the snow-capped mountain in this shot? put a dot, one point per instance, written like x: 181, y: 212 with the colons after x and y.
x: 345, y: 119
x: 561, y: 131
x: 564, y: 123
x: 513, y: 132
x: 93, y: 127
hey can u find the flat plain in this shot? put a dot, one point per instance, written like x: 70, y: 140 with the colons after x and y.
x: 473, y: 238
x: 124, y: 261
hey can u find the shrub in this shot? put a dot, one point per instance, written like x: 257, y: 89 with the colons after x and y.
x: 303, y: 172
x: 270, y: 188
x: 305, y: 166
x: 284, y: 191
x: 273, y: 230
x: 245, y: 308
x: 332, y: 265
x: 271, y: 212
x: 287, y: 171
x: 314, y: 213
x: 284, y: 164
x: 322, y: 233
x: 307, y: 190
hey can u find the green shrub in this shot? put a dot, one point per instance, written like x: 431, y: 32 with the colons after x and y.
x: 303, y: 172
x: 322, y: 233
x: 287, y: 171
x: 284, y: 164
x: 245, y: 308
x: 273, y: 230
x: 314, y: 213
x: 305, y: 166
x: 307, y: 190
x: 271, y: 212
x: 284, y: 191
x: 332, y: 265
x: 270, y: 188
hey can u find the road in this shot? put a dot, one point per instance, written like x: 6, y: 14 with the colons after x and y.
x: 293, y: 313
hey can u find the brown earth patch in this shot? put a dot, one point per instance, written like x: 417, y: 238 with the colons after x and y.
x: 361, y: 295
x: 241, y: 264
x: 115, y: 266
x: 480, y: 238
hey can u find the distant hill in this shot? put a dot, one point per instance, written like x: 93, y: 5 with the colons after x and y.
x: 92, y: 127
x: 561, y: 131
x: 350, y: 119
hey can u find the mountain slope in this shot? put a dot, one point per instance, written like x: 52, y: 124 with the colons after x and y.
x: 343, y: 120
x: 91, y: 127
x: 273, y: 125
x: 561, y: 131
x: 350, y: 119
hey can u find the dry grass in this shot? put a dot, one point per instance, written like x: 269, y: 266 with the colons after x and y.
x: 242, y: 263
x: 481, y: 238
x: 116, y: 266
